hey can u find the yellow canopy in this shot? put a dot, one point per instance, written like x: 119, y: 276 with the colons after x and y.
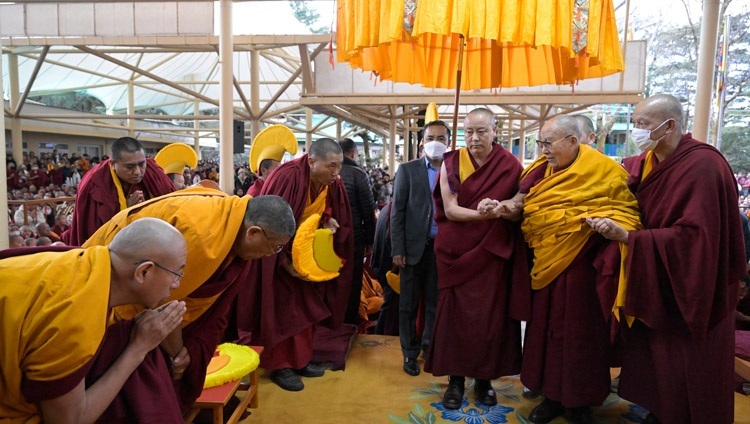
x: 507, y: 43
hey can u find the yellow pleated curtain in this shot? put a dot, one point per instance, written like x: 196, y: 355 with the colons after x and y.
x: 508, y: 43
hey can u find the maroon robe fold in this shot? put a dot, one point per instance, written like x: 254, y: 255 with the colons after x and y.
x: 97, y: 201
x: 567, y: 351
x: 483, y: 277
x: 683, y: 271
x: 150, y: 395
x: 277, y: 307
x: 256, y: 188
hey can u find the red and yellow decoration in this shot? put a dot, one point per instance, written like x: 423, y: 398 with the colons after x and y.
x: 231, y: 364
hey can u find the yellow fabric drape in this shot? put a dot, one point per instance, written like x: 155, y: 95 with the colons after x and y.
x: 648, y: 165
x: 465, y: 166
x: 53, y: 308
x: 508, y: 43
x: 315, y: 207
x: 189, y: 210
x: 120, y: 192
x: 555, y: 210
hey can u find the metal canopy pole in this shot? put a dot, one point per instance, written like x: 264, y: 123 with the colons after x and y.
x: 4, y: 242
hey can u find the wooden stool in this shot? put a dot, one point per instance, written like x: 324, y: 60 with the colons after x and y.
x: 216, y: 398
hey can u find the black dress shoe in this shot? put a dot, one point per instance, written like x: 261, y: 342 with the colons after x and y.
x: 287, y: 379
x: 546, y: 411
x: 650, y: 419
x: 484, y: 393
x: 411, y: 366
x: 311, y: 370
x: 454, y: 395
x: 581, y: 415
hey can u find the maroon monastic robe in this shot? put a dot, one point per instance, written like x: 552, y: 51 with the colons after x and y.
x: 483, y: 277
x: 97, y: 201
x: 567, y: 351
x: 150, y: 394
x: 256, y: 188
x: 683, y: 273
x: 280, y: 311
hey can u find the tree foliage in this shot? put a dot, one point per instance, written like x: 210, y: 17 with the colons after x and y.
x: 74, y: 100
x: 309, y: 17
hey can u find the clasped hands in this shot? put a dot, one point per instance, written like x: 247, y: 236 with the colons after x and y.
x: 506, y: 209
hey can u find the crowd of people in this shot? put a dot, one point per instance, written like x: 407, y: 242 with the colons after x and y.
x: 636, y: 266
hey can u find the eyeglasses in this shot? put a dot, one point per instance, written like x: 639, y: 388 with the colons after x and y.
x: 278, y: 248
x: 545, y: 144
x: 158, y: 265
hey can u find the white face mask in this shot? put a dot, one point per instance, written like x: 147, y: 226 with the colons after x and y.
x: 435, y: 149
x: 642, y: 138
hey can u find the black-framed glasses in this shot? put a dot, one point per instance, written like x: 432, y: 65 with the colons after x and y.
x: 278, y: 248
x: 546, y: 144
x: 158, y: 265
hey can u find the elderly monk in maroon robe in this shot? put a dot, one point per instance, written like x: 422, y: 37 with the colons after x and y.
x: 567, y: 352
x: 217, y: 262
x: 126, y: 179
x: 283, y: 310
x: 483, y: 279
x: 683, y: 272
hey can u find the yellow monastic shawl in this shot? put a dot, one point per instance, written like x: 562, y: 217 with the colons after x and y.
x: 555, y: 210
x: 209, y: 220
x: 315, y: 207
x: 465, y: 165
x: 121, y: 198
x: 53, y: 310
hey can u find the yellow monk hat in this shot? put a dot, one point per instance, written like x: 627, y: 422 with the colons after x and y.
x: 175, y: 157
x: 394, y: 280
x: 272, y: 143
x: 431, y: 114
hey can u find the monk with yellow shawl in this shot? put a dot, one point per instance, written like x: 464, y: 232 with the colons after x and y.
x: 575, y: 273
x: 128, y: 178
x: 54, y: 315
x: 482, y: 270
x: 293, y: 304
x: 223, y: 234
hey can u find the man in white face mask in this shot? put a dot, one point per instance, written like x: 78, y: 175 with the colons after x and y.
x: 413, y: 232
x: 683, y: 272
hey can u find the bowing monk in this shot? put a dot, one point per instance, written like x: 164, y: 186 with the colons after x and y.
x: 290, y: 306
x: 683, y: 271
x: 54, y: 313
x: 248, y: 228
x: 128, y: 178
x: 575, y: 274
x: 482, y: 272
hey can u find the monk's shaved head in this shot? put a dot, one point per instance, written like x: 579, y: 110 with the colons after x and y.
x: 321, y: 148
x: 662, y: 107
x: 148, y: 238
x: 484, y: 113
x: 272, y: 213
x: 127, y: 145
x: 564, y: 125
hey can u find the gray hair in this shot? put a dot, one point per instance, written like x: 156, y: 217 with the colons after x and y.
x: 272, y: 213
x: 566, y: 124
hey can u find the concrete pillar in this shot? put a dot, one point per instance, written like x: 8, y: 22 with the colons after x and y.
x: 3, y: 171
x: 197, y: 127
x: 16, y: 136
x: 255, y: 92
x: 131, y: 108
x: 308, y: 129
x: 226, y: 105
x: 706, y: 63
